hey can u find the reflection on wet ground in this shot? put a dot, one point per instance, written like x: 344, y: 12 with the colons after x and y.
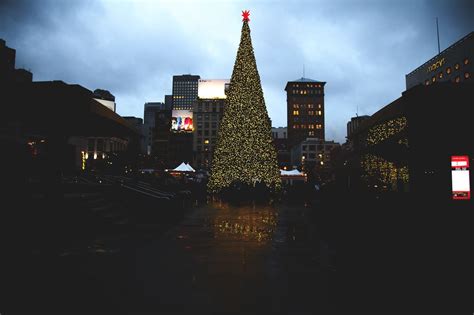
x: 227, y: 258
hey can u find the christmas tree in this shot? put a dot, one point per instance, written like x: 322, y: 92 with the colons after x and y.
x: 244, y: 152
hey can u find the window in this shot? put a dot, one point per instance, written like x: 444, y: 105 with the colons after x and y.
x: 310, y: 126
x: 206, y: 132
x: 310, y: 105
x: 213, y: 132
x: 296, y: 106
x: 319, y: 126
x: 427, y: 82
x: 457, y: 79
x: 310, y: 112
x: 213, y: 125
x: 433, y: 79
x: 312, y: 156
x: 319, y: 106
x: 466, y: 61
x: 199, y: 132
x: 456, y: 66
x: 319, y: 113
x: 466, y: 75
x: 320, y: 147
x: 448, y: 70
x: 312, y: 147
x: 206, y: 141
x: 311, y: 133
x: 296, y: 112
x: 440, y: 75
x: 303, y: 148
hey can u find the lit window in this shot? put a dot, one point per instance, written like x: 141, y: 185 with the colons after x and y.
x: 319, y: 126
x: 319, y: 105
x: 440, y: 75
x: 296, y: 112
x: 466, y: 75
x: 457, y: 79
x: 319, y: 113
x: 433, y: 79
x: 206, y: 141
x: 310, y: 112
x: 295, y: 106
x: 311, y: 133
x: 303, y: 126
x: 466, y: 61
x: 448, y: 70
x: 456, y: 66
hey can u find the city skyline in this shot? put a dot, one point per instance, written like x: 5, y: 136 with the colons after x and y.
x: 134, y: 49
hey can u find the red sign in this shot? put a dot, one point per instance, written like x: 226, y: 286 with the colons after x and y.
x: 460, y: 176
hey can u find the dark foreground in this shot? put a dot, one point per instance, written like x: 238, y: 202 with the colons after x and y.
x: 104, y: 249
x: 101, y: 248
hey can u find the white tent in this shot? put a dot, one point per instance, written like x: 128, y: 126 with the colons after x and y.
x: 190, y: 168
x: 294, y: 172
x: 183, y: 167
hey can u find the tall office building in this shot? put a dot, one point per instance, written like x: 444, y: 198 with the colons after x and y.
x: 185, y: 91
x: 207, y: 113
x: 150, y: 110
x: 305, y: 108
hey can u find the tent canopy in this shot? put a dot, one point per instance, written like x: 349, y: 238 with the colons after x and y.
x: 183, y: 167
x: 291, y: 173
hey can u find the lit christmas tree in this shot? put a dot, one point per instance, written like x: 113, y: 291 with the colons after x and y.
x: 244, y: 151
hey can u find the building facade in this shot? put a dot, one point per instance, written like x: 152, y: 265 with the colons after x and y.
x: 280, y: 141
x: 185, y: 91
x: 305, y: 110
x: 354, y: 123
x: 452, y: 64
x: 150, y: 110
x: 208, y: 112
x: 8, y: 72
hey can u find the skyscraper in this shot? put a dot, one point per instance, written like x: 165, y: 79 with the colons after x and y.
x: 185, y: 91
x: 150, y: 110
x: 305, y: 106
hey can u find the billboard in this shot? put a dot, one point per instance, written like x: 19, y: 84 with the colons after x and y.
x: 182, y: 121
x: 212, y: 89
x: 460, y: 177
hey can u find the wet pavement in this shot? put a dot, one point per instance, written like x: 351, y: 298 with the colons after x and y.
x: 234, y: 258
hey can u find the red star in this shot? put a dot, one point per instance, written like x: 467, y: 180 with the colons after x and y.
x: 246, y: 14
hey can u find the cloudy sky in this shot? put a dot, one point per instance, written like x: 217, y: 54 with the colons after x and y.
x: 361, y: 48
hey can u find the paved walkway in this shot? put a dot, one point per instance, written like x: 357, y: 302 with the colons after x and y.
x: 224, y: 258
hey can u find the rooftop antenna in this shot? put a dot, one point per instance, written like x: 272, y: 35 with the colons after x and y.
x: 357, y: 110
x: 437, y: 32
x: 303, y: 70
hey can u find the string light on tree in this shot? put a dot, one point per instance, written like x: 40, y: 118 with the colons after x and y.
x: 244, y: 150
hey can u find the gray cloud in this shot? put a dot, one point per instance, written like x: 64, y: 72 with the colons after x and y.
x: 362, y: 49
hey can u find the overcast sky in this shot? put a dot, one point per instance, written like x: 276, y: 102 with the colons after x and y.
x: 361, y: 48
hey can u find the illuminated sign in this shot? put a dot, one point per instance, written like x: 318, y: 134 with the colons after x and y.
x: 182, y: 121
x: 436, y: 65
x: 460, y: 177
x: 212, y: 89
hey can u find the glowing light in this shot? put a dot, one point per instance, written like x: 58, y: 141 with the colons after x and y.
x: 246, y: 15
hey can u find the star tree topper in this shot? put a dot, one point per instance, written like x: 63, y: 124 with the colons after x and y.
x: 246, y: 14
